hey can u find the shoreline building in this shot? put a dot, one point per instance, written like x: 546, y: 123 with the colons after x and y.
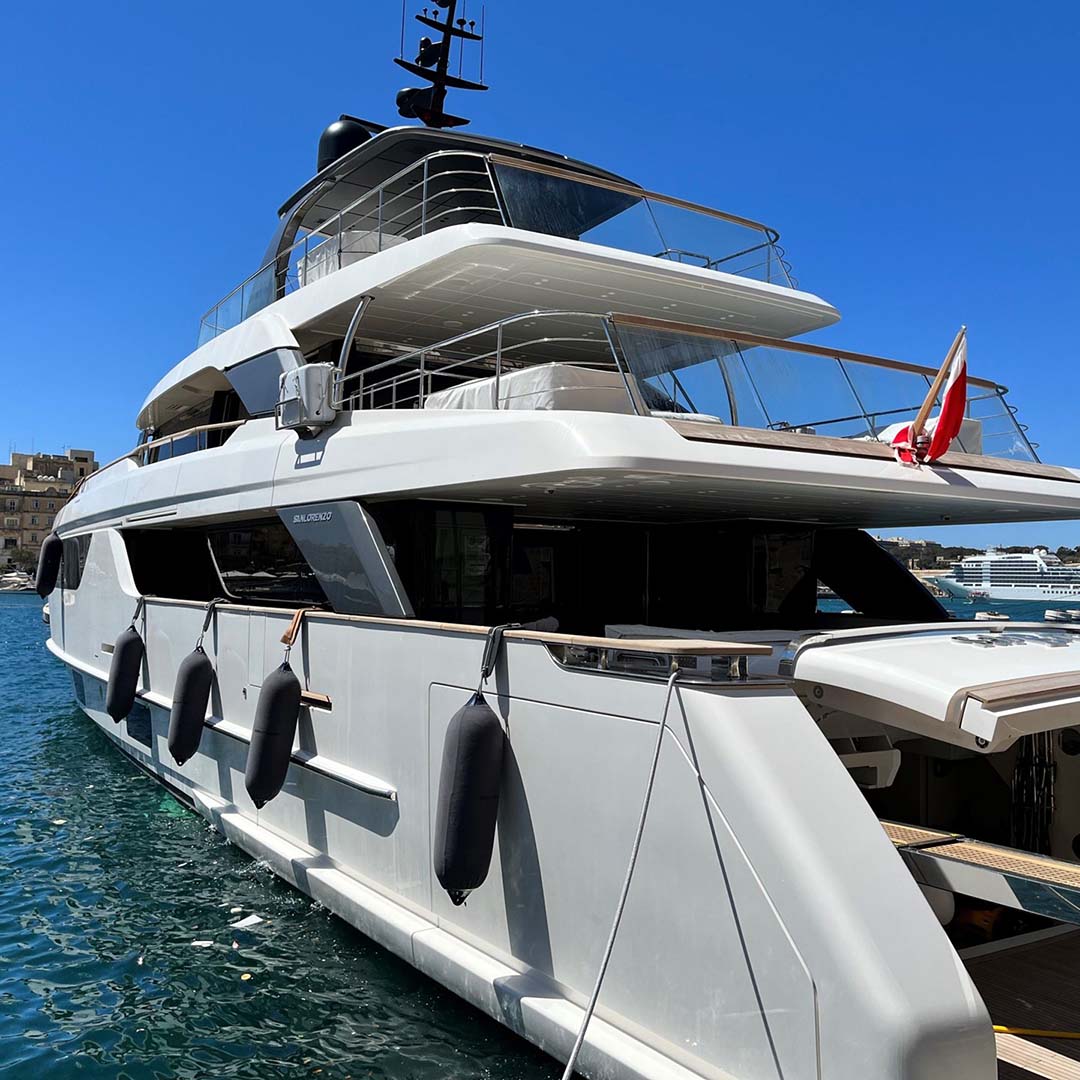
x: 33, y: 488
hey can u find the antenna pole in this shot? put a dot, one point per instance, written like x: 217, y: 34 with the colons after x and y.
x: 433, y: 63
x: 483, y: 41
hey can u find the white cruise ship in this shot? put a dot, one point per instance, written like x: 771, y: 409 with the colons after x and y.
x: 998, y: 575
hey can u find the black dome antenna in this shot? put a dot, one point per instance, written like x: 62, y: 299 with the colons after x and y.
x: 433, y: 63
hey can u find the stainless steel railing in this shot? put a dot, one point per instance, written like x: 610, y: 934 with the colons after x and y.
x: 450, y: 187
x: 735, y: 376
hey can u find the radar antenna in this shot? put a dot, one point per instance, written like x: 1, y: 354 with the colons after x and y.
x: 433, y: 63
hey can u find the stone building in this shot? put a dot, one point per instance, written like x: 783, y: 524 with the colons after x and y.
x: 33, y: 487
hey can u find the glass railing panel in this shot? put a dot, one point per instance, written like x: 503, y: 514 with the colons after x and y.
x: 716, y: 243
x: 1000, y: 433
x: 620, y: 217
x: 558, y: 206
x: 258, y: 292
x: 229, y: 312
x: 808, y: 394
x: 445, y: 189
x: 800, y: 389
x: 887, y: 396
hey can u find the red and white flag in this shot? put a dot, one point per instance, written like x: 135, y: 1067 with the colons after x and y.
x: 936, y: 435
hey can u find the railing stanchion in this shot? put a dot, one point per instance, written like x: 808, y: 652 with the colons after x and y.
x: 615, y: 344
x: 858, y: 400
x: 423, y: 200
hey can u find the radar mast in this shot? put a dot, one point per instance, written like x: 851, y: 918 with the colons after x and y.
x: 433, y: 61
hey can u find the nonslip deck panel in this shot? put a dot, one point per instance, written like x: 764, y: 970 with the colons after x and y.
x: 1009, y: 861
x: 903, y: 835
x: 945, y: 845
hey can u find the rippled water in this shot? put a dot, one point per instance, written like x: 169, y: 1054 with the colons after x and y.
x: 105, y: 880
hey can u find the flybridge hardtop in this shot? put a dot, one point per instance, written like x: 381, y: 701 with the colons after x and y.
x: 498, y: 544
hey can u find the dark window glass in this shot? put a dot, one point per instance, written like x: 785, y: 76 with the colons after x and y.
x: 256, y: 380
x: 260, y: 561
x: 73, y: 561
x: 454, y: 561
x: 140, y: 725
x: 172, y: 562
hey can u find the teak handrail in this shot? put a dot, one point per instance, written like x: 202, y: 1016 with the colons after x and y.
x: 623, y: 188
x: 648, y: 323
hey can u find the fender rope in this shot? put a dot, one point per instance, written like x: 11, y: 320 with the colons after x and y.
x: 571, y: 1061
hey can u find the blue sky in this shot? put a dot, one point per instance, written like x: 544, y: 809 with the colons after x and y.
x: 920, y: 161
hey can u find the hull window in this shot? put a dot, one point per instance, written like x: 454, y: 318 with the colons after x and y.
x: 454, y: 561
x: 172, y: 562
x: 73, y: 561
x: 260, y: 561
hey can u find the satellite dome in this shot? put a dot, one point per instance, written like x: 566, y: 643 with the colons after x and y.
x: 343, y: 135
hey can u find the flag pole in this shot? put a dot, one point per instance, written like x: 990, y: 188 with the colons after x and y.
x: 935, y: 389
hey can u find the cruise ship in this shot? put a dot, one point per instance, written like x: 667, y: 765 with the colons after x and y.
x: 466, y: 573
x: 1000, y: 575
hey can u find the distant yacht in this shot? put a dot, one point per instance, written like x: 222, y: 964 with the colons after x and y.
x: 997, y: 575
x: 16, y: 581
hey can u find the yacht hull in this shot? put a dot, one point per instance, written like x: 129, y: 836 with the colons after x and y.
x: 780, y: 931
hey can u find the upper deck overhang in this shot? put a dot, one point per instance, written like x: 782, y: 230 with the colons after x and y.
x: 466, y: 276
x: 562, y: 465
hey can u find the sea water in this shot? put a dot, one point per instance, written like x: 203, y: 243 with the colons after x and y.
x: 105, y: 882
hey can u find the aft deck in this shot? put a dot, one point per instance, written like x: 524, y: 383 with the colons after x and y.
x: 1032, y: 986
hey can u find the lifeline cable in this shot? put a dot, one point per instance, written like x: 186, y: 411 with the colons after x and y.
x: 571, y: 1061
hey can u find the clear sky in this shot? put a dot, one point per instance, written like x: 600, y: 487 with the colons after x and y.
x: 920, y: 161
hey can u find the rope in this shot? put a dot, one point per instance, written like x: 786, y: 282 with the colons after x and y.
x: 571, y: 1061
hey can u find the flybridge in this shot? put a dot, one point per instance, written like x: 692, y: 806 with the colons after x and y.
x: 338, y: 219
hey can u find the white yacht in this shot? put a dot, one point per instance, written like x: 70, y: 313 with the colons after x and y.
x: 1000, y: 575
x: 467, y: 574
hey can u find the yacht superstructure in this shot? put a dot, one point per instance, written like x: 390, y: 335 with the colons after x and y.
x: 499, y: 492
x: 999, y: 575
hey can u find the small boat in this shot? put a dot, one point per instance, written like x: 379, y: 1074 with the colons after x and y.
x: 16, y: 581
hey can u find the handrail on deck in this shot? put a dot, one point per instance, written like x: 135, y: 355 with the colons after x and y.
x: 153, y: 443
x: 444, y: 360
x: 623, y: 188
x: 646, y: 322
x: 423, y: 163
x: 618, y: 319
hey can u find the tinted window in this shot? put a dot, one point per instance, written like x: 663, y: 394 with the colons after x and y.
x: 73, y: 562
x: 454, y: 561
x: 256, y: 380
x: 172, y: 562
x: 260, y: 561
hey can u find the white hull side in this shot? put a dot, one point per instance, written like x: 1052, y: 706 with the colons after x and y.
x: 771, y: 927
